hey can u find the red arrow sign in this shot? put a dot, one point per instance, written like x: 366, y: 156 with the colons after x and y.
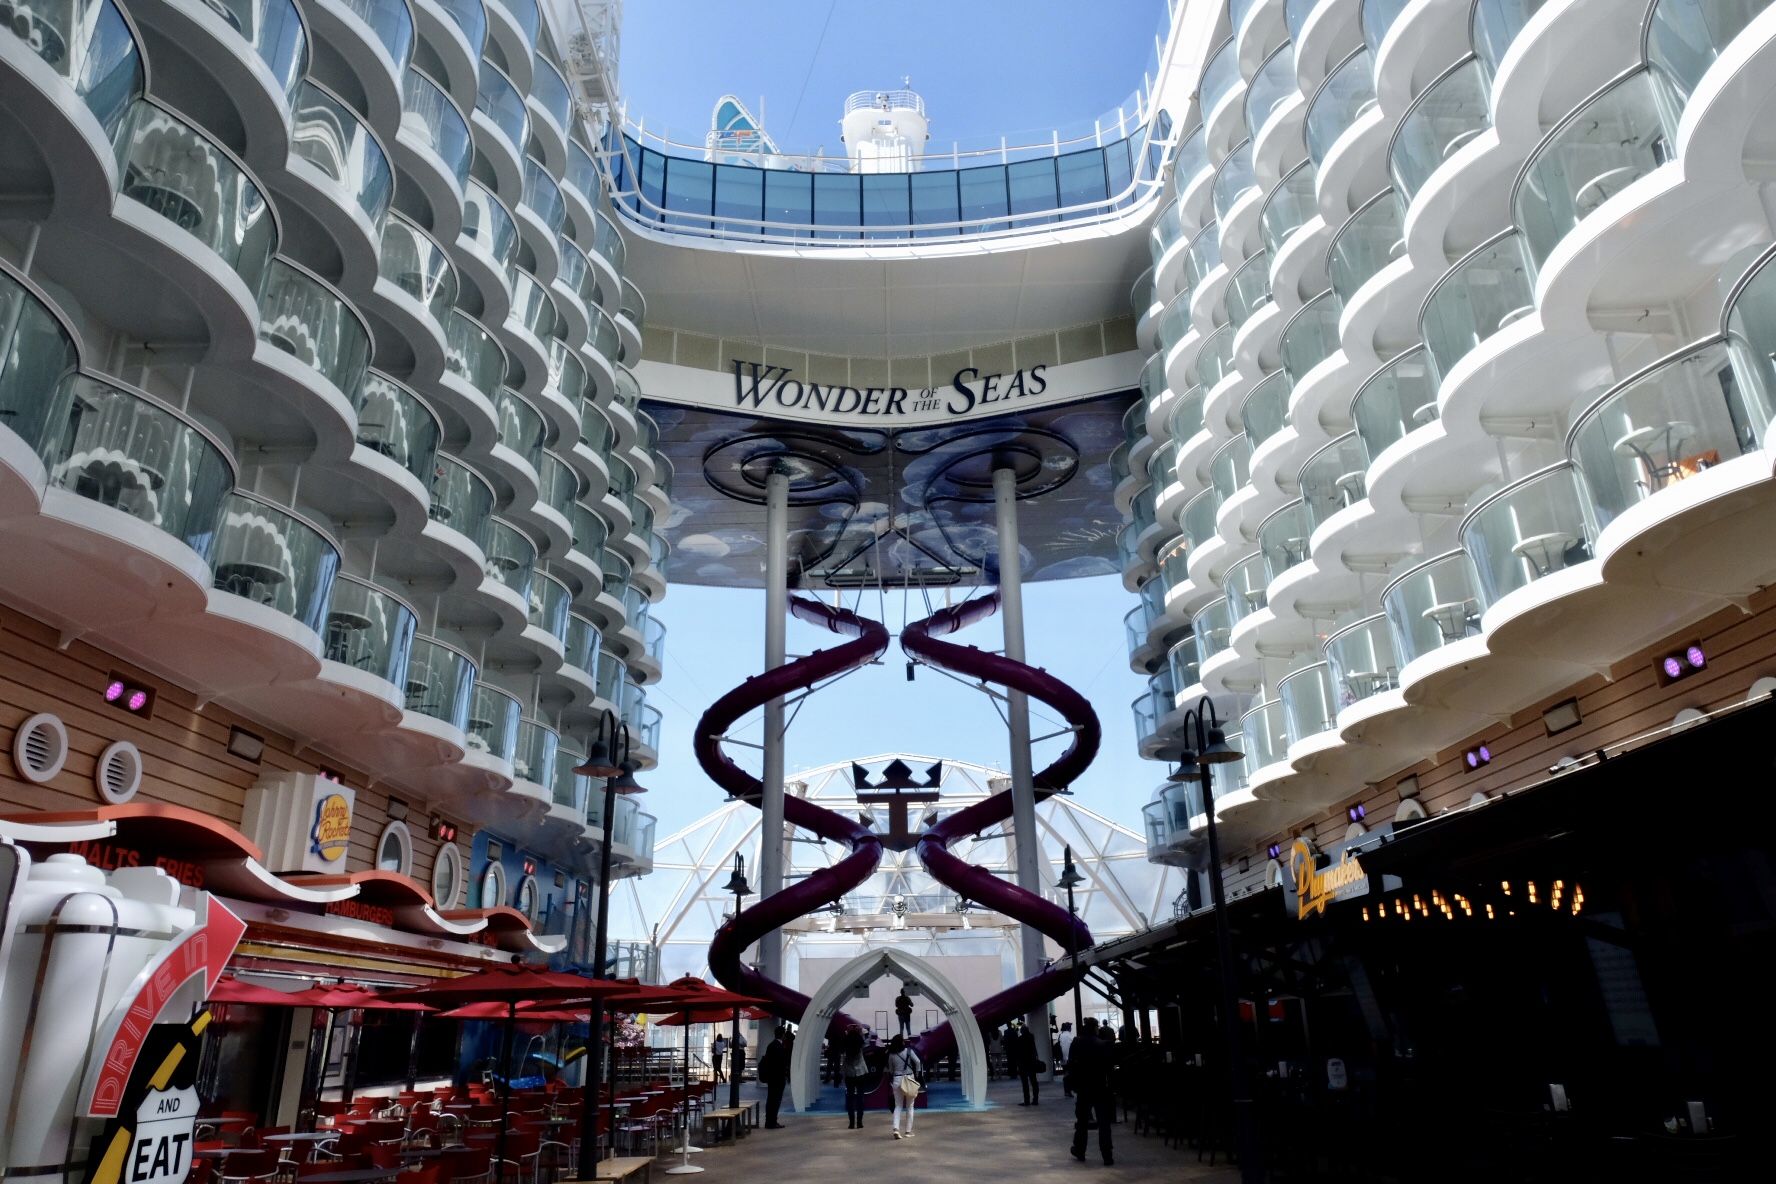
x: 204, y: 951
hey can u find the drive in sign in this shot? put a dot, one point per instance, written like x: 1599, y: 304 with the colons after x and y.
x: 160, y: 1152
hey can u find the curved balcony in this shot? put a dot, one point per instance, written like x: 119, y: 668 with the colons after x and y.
x: 549, y: 601
x: 440, y: 682
x: 473, y: 355
x: 265, y: 554
x: 1431, y: 605
x: 643, y: 719
x: 1150, y: 708
x: 632, y: 308
x: 571, y: 793
x: 504, y: 125
x: 511, y: 558
x: 612, y: 679
x: 92, y: 47
x: 575, y: 288
x: 1162, y: 472
x: 603, y: 344
x: 1488, y: 289
x: 559, y: 487
x: 1248, y: 290
x: 329, y: 135
x: 1397, y: 398
x: 521, y: 427
x: 1154, y: 394
x: 1266, y: 733
x: 1167, y: 231
x: 653, y: 646
x: 1283, y: 539
x: 1682, y: 38
x: 566, y: 386
x: 493, y: 723
x: 1376, y: 17
x: 369, y: 629
x: 461, y: 500
x: 1187, y: 416
x: 1373, y: 237
x: 1234, y: 180
x: 1617, y: 136
x: 550, y: 93
x: 513, y: 27
x: 1214, y: 361
x: 582, y: 180
x: 1198, y: 519
x: 609, y: 249
x: 1360, y: 659
x: 534, y: 760
x: 492, y: 238
x: 1167, y: 819
x: 1185, y: 665
x: 1246, y: 584
x: 1191, y: 172
x: 1529, y: 529
x: 1220, y: 82
x: 393, y: 422
x: 1309, y: 704
x: 1271, y: 87
x: 431, y: 120
x: 417, y: 264
x: 1288, y: 207
x: 1310, y: 337
x: 542, y: 196
x: 453, y: 36
x: 1203, y: 257
x: 1347, y: 92
x: 582, y: 646
x: 1493, y: 26
x: 533, y: 310
x: 1450, y: 112
x: 1230, y: 468
x: 305, y: 317
x: 1332, y: 479
x: 1210, y: 628
x: 1173, y: 324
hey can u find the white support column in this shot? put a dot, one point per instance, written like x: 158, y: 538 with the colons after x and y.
x: 770, y: 870
x: 1026, y: 843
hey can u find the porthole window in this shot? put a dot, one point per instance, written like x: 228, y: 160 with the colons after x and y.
x: 493, y: 885
x: 1410, y: 811
x: 394, y: 850
x: 447, y: 876
x: 530, y: 898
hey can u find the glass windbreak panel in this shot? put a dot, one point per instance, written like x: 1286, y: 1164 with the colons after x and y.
x: 1198, y: 518
x: 1310, y: 336
x: 414, y: 262
x: 607, y: 243
x: 1432, y: 605
x: 936, y: 201
x: 1230, y: 468
x: 1684, y: 37
x: 582, y: 645
x: 1167, y: 229
x: 1683, y: 416
x: 369, y: 629
x: 740, y: 195
x: 1031, y: 187
x: 1377, y: 17
x: 838, y: 202
x: 789, y: 200
x: 1266, y: 736
x: 1489, y: 289
x: 1187, y: 415
x: 1373, y: 237
x: 582, y: 173
x: 1397, y: 398
x: 91, y: 46
x: 469, y: 17
x: 267, y: 555
x: 1332, y: 479
x: 1211, y: 627
x: 511, y: 558
x: 1282, y: 539
x: 1308, y: 703
x: 488, y: 224
x: 1271, y: 87
x: 493, y: 722
x: 1289, y: 206
x: 1452, y: 111
x: 549, y: 599
x: 1214, y: 360
x: 1219, y: 78
x: 392, y: 421
x: 1174, y: 322
x: 473, y: 355
x: 1246, y: 582
x: 313, y: 324
x: 549, y: 89
x: 461, y: 500
x: 571, y: 790
x: 181, y: 174
x: 1248, y: 290
x: 330, y: 136
x: 983, y: 196
x: 38, y: 360
x: 1600, y: 149
x: 1204, y: 255
x: 1361, y: 660
x: 559, y: 485
x: 440, y: 681
x: 532, y: 307
x: 526, y: 14
x: 1233, y: 180
x: 276, y: 33
x: 119, y: 447
x: 1266, y: 409
x: 1495, y: 24
x: 1186, y: 665
x: 1529, y: 529
x: 1341, y: 100
x: 500, y: 101
x: 543, y: 196
x: 533, y: 759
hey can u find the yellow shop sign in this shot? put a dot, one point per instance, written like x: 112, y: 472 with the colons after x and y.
x: 1316, y: 888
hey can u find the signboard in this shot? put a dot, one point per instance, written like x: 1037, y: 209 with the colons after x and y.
x: 330, y: 835
x: 160, y: 1146
x: 1315, y: 888
x: 302, y: 821
x: 150, y: 1140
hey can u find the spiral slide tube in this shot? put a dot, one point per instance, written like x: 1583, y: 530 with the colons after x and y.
x: 869, y: 640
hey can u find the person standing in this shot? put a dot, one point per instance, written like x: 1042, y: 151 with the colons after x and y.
x: 1022, y: 1053
x: 903, y: 1083
x: 773, y: 1071
x: 1063, y: 1046
x: 903, y: 1011
x: 857, y: 1071
x: 737, y: 1057
x: 1088, y: 1074
x: 717, y: 1053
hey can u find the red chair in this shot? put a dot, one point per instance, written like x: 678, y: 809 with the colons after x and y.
x: 467, y: 1165
x: 256, y: 1163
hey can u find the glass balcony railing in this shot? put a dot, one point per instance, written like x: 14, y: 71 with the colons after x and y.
x: 1310, y: 337
x: 521, y: 426
x: 504, y: 107
x: 1210, y: 629
x: 583, y: 644
x: 607, y: 242
x: 461, y: 500
x: 308, y: 319
x: 573, y: 791
x: 416, y: 263
x: 1198, y: 518
x: 583, y: 176
x: 1168, y: 228
x: 1529, y: 529
x: 1185, y: 664
x: 392, y: 24
x: 1214, y: 361
x: 473, y: 355
x: 549, y: 600
x: 533, y: 757
x: 653, y: 640
x: 1219, y: 78
x: 543, y: 196
x: 1283, y: 537
x: 567, y: 374
x: 493, y: 722
x: 1266, y: 735
x: 1238, y: 13
x: 1397, y: 398
x: 1486, y: 290
x: 1233, y: 180
x: 1332, y: 479
x: 1248, y: 290
x: 1374, y: 236
x: 612, y: 678
x: 525, y: 12
x: 1134, y: 419
x: 1432, y: 605
x: 440, y: 682
x: 1361, y: 660
x: 1271, y: 87
x: 192, y: 181
x: 1230, y: 468
x: 90, y: 45
x: 1613, y: 139
x: 1153, y: 705
x: 511, y: 558
x: 1162, y: 466
x: 1134, y: 629
x: 1377, y: 17
x: 369, y: 629
x: 392, y: 421
x: 1493, y: 25
x: 1191, y: 160
x: 488, y: 224
x: 1204, y: 255
x: 329, y: 135
x: 1266, y: 409
x: 1167, y: 818
x: 470, y: 19
x: 532, y: 307
x: 1174, y: 564
x: 622, y: 478
x: 1682, y: 38
x: 1141, y: 294
x: 276, y: 34
x: 432, y: 117
x: 1296, y: 14
x: 606, y: 342
x: 1153, y: 386
x: 1452, y: 111
x: 645, y: 724
x: 550, y: 90
x: 595, y: 429
x: 1187, y: 415
x: 1340, y: 101
x: 1246, y: 583
x: 1288, y: 207
x: 1309, y: 706
x: 632, y: 304
x: 266, y: 554
x: 559, y: 485
x: 576, y: 273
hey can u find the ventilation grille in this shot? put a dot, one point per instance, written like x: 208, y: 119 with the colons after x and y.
x: 40, y: 748
x: 119, y: 772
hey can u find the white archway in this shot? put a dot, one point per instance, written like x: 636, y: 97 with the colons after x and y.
x: 830, y: 999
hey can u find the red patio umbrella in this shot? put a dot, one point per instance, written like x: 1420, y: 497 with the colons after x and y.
x: 230, y: 989
x: 354, y: 996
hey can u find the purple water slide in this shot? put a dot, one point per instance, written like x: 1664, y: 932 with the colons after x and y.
x: 869, y: 640
x: 919, y: 640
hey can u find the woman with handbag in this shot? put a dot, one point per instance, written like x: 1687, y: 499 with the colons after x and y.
x: 903, y: 1083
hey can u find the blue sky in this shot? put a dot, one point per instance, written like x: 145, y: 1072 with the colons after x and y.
x: 985, y: 67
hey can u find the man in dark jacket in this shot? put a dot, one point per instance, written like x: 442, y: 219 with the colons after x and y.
x: 773, y: 1070
x: 1089, y: 1063
x: 1021, y: 1053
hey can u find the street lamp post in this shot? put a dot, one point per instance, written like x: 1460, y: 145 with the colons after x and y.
x: 1071, y: 879
x: 1202, y: 730
x: 736, y: 1066
x: 609, y: 759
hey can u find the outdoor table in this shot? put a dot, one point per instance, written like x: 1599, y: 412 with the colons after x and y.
x: 1544, y: 552
x: 216, y: 1152
x: 352, y: 1176
x: 302, y: 1137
